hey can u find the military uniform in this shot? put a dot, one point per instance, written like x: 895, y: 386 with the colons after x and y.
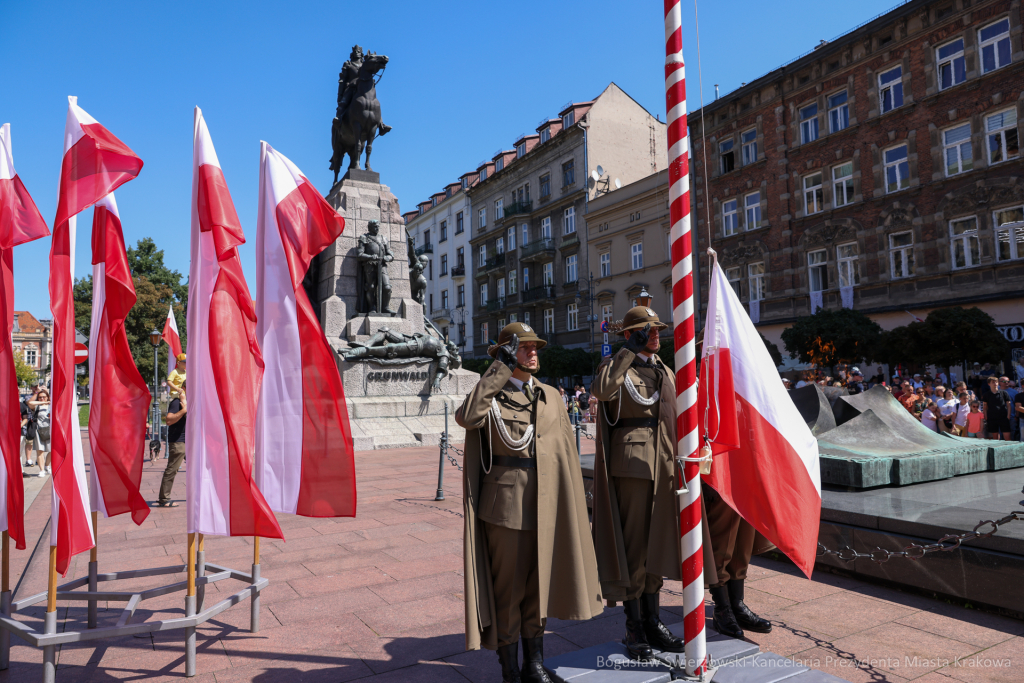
x: 523, y: 488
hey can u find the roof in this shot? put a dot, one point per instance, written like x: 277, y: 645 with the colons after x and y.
x: 28, y: 324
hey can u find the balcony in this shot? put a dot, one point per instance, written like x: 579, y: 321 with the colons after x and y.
x: 519, y: 208
x: 495, y: 305
x: 538, y: 293
x: 494, y: 262
x: 541, y: 250
x: 440, y: 314
x: 569, y: 241
x: 571, y: 286
x: 459, y: 270
x: 427, y: 248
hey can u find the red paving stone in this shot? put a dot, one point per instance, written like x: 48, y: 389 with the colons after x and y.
x: 379, y: 597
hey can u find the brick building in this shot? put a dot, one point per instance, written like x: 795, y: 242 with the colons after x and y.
x: 880, y: 171
x: 34, y: 339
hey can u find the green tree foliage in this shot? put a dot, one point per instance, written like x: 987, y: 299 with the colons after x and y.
x: 558, y: 362
x: 948, y: 336
x: 901, y: 345
x: 829, y: 337
x: 477, y: 365
x: 25, y: 373
x: 156, y: 287
x: 773, y: 350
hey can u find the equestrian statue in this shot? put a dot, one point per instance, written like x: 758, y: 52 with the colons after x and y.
x: 358, y: 119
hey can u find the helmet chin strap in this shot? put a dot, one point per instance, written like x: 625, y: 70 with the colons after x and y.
x: 532, y: 371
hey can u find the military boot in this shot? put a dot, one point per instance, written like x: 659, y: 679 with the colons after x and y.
x: 744, y: 616
x: 658, y: 635
x: 635, y: 640
x: 508, y: 655
x: 724, y: 620
x: 533, y: 661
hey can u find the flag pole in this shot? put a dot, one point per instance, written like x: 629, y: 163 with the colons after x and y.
x: 200, y: 571
x: 94, y: 566
x: 254, y: 600
x: 688, y: 482
x: 5, y: 601
x: 50, y: 623
x: 190, y: 606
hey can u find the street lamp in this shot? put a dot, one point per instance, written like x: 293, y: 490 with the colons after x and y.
x: 154, y: 445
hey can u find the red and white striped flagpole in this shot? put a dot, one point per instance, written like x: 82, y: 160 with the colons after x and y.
x: 695, y: 650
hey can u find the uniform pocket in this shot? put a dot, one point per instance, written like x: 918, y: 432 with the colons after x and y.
x: 497, y: 494
x: 630, y: 453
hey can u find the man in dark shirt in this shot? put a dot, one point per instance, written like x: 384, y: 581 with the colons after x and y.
x: 177, y: 412
x: 997, y: 410
x: 856, y: 383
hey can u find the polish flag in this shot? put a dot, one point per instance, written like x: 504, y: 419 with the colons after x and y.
x: 225, y: 364
x: 20, y: 222
x: 120, y: 397
x: 766, y: 459
x: 310, y: 473
x: 95, y: 164
x: 173, y: 341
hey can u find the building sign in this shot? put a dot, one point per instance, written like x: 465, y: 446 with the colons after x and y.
x: 1013, y: 333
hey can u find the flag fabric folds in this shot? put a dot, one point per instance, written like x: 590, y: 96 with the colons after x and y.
x: 170, y: 336
x: 765, y: 458
x: 20, y: 222
x: 225, y: 364
x: 95, y: 164
x: 311, y: 473
x: 120, y: 397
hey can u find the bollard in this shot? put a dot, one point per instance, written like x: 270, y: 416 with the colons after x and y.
x: 577, y: 439
x: 440, y: 466
x: 50, y: 651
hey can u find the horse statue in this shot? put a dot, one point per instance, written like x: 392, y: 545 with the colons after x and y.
x: 360, y: 122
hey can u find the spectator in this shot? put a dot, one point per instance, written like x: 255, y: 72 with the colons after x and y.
x: 40, y: 405
x: 584, y: 401
x: 918, y: 382
x: 592, y: 406
x: 856, y: 383
x: 975, y: 421
x: 997, y: 411
x: 177, y: 376
x: 963, y: 409
x: 805, y: 379
x: 907, y: 397
x: 28, y: 435
x: 574, y: 410
x: 940, y: 376
x: 948, y: 407
x: 930, y: 416
x: 177, y: 413
x: 565, y: 399
x: 1007, y: 385
x: 1018, y: 407
x: 787, y: 383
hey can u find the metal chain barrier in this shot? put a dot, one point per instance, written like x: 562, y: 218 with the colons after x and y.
x: 915, y: 551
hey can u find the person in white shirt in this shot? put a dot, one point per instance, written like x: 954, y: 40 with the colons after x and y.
x: 917, y: 382
x: 963, y: 406
x: 930, y: 416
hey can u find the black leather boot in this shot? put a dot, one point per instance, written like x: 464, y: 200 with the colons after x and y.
x: 744, y: 616
x: 533, y: 661
x: 635, y: 640
x: 508, y: 655
x: 724, y: 620
x: 658, y: 635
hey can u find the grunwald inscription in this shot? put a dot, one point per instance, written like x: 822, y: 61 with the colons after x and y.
x: 396, y: 376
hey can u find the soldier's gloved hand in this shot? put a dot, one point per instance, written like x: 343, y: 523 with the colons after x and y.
x: 638, y: 339
x: 507, y: 353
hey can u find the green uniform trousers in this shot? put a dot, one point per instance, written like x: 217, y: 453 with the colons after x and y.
x: 513, y: 555
x: 636, y: 499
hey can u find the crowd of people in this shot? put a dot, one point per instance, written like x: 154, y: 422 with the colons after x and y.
x: 35, y: 431
x: 985, y: 406
x: 580, y: 403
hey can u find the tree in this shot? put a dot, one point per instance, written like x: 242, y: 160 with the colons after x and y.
x: 957, y: 334
x: 901, y: 345
x: 773, y: 350
x: 25, y: 373
x: 830, y: 337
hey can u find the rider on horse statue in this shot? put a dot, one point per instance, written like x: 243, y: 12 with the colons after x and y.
x: 358, y: 120
x: 347, y: 84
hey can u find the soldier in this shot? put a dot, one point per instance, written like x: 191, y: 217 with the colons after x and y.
x: 636, y: 521
x: 522, y: 490
x: 374, y: 252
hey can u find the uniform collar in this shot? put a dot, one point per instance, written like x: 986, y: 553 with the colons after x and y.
x: 645, y: 357
x: 518, y: 384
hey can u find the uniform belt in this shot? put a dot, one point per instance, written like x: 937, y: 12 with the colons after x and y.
x: 636, y: 423
x: 511, y: 461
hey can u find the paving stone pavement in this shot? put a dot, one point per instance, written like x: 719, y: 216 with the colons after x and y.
x: 379, y: 597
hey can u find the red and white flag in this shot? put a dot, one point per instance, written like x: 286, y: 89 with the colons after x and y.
x: 20, y: 222
x: 225, y: 364
x: 95, y: 164
x: 766, y: 459
x: 120, y: 397
x: 170, y: 336
x: 312, y: 472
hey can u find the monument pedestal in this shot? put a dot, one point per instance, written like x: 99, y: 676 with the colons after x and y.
x: 389, y: 402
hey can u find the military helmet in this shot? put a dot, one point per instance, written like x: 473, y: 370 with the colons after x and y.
x: 637, y: 317
x: 521, y: 330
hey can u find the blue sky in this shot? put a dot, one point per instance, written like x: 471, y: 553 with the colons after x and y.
x: 464, y: 80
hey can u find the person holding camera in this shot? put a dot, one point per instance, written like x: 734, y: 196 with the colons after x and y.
x: 177, y: 412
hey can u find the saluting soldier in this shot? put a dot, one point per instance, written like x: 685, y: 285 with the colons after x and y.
x: 636, y: 520
x: 522, y: 489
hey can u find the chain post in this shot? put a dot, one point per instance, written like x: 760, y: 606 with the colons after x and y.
x: 577, y: 436
x: 444, y: 451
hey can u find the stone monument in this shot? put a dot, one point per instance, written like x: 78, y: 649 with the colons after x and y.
x: 361, y: 283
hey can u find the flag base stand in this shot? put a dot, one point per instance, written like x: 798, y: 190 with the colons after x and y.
x: 45, y: 635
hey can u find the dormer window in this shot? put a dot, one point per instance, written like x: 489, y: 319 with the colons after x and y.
x: 483, y: 174
x: 499, y: 164
x: 568, y: 119
x: 433, y: 201
x: 545, y: 134
x: 465, y: 183
x: 520, y: 150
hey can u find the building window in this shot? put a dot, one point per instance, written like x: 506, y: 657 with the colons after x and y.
x: 569, y: 221
x: 842, y: 184
x: 849, y: 271
x: 890, y: 89
x: 952, y: 70
x: 545, y: 228
x: 569, y: 173
x: 733, y: 276
x: 484, y: 337
x: 426, y: 238
x: 730, y: 219
x: 545, y: 134
x: 459, y: 223
x: 956, y: 144
x: 995, y: 45
x: 1009, y: 234
x: 30, y: 356
x: 545, y: 185
x: 483, y: 174
x: 726, y: 156
x: 817, y: 270
x: 499, y: 208
x: 964, y: 233
x: 897, y: 170
x: 549, y: 320
x: 526, y: 234
x: 460, y: 257
x: 512, y: 282
x: 465, y: 183
x: 500, y: 291
x: 444, y: 264
x: 513, y: 317
x: 838, y: 112
x: 636, y: 255
x: 483, y: 218
x: 461, y: 294
x: 526, y: 278
x: 606, y: 264
x: 444, y: 298
x: 511, y: 238
x: 813, y: 196
x: 809, y: 124
x: 430, y: 269
x: 520, y: 150
x: 572, y: 317
x: 749, y: 142
x: 752, y: 204
x: 483, y: 256
x: 548, y: 273
x: 568, y: 119
x: 526, y: 318
x: 483, y: 294
x: 755, y: 281
x: 606, y: 313
x: 462, y: 334
x: 901, y: 254
x: 1001, y: 129
x: 570, y: 269
x: 499, y: 245
x: 444, y: 232
x: 499, y: 164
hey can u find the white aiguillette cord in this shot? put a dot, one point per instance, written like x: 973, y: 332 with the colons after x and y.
x: 506, y: 438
